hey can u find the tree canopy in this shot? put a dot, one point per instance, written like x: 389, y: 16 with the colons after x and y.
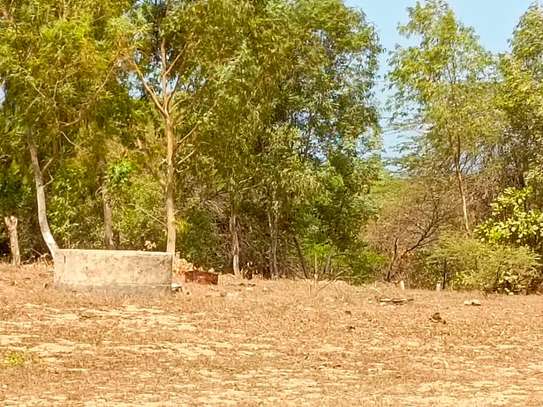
x: 246, y: 135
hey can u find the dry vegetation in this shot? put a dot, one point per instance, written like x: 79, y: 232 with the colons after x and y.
x: 265, y: 343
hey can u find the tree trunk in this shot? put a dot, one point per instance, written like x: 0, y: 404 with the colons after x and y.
x: 170, y: 186
x: 462, y: 190
x: 327, y: 270
x: 272, y: 223
x: 273, y: 258
x: 11, y: 225
x: 235, y: 243
x: 109, y: 240
x: 461, y: 187
x: 301, y: 256
x: 40, y: 198
x: 162, y: 100
x: 388, y: 277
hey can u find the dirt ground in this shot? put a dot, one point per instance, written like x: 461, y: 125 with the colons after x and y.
x: 265, y: 343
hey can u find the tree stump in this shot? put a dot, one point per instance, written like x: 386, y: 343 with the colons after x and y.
x: 11, y: 225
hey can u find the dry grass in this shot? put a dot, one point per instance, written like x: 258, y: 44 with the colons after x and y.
x: 274, y: 343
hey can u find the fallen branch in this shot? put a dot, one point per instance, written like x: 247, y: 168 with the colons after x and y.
x: 396, y: 301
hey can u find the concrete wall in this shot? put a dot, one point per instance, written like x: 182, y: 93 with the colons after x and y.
x: 113, y: 270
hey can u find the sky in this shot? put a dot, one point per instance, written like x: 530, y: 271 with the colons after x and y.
x: 493, y: 20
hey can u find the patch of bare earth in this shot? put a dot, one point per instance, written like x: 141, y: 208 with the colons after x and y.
x: 265, y: 343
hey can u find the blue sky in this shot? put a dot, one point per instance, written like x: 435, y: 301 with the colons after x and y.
x: 493, y: 20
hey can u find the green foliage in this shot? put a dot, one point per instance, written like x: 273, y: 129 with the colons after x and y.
x: 200, y: 238
x: 521, y: 99
x: 137, y: 203
x: 15, y: 186
x: 288, y: 137
x: 527, y: 43
x: 444, y: 89
x: 258, y: 120
x: 74, y: 206
x: 16, y: 196
x: 476, y: 265
x: 513, y: 221
x: 119, y: 173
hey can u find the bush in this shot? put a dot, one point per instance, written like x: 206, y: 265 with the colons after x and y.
x: 514, y: 220
x: 137, y: 211
x: 200, y: 239
x: 474, y: 264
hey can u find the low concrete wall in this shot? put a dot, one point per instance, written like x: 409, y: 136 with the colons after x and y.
x: 113, y: 270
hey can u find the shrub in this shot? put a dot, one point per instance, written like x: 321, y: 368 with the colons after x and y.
x: 474, y: 264
x: 514, y: 220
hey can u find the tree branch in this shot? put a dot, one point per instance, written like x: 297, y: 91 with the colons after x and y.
x: 149, y: 167
x: 152, y: 94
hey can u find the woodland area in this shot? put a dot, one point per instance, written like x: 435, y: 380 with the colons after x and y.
x: 247, y: 135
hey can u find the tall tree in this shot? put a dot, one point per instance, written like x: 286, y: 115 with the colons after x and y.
x: 445, y: 90
x: 521, y: 98
x: 174, y: 48
x: 297, y: 91
x: 71, y: 40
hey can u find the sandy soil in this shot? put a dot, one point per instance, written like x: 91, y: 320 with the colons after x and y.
x: 264, y: 343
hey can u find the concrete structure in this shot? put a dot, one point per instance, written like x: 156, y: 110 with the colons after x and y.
x: 113, y: 270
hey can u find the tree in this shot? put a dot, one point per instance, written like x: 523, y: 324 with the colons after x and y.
x: 413, y: 212
x: 44, y: 105
x: 521, y: 98
x: 257, y: 119
x: 14, y: 192
x: 296, y: 92
x: 515, y: 218
x: 174, y: 48
x: 445, y: 87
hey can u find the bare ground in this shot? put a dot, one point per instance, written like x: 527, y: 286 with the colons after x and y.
x: 265, y: 343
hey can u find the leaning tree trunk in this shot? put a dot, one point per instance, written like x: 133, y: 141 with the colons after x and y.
x: 40, y: 198
x: 301, y: 256
x: 11, y: 225
x: 235, y: 243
